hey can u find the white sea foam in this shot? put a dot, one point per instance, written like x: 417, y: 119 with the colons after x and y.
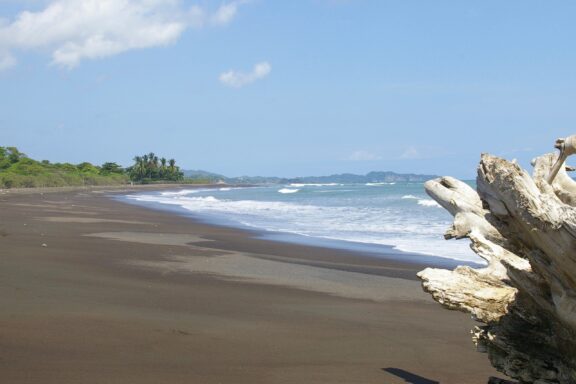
x: 300, y: 185
x: 288, y: 190
x: 364, y: 215
x: 334, y: 191
x: 428, y: 203
x: 437, y: 247
x: 378, y: 184
x: 182, y: 192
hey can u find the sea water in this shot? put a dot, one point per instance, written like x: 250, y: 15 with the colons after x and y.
x: 399, y: 215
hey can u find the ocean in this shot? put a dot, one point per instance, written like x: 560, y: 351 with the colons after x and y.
x: 372, y: 216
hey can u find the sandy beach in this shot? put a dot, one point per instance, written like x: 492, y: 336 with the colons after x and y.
x: 93, y: 290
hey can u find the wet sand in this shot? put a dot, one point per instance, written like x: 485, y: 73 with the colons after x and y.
x: 93, y: 290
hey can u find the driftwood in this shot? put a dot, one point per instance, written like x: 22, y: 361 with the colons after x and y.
x: 525, y: 229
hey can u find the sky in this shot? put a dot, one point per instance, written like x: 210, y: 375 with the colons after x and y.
x: 288, y: 88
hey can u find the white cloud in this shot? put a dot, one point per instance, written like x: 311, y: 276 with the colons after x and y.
x: 410, y: 153
x: 363, y: 156
x: 238, y: 79
x: 6, y: 61
x: 75, y: 30
x: 226, y: 13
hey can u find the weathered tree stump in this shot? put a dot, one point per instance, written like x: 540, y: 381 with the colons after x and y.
x: 525, y: 298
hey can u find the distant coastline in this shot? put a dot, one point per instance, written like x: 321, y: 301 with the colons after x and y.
x: 17, y: 170
x: 341, y: 178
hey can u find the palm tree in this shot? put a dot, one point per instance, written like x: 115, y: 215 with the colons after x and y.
x: 138, y: 167
x: 155, y: 165
x: 172, y: 167
x: 152, y: 160
x: 162, y: 167
x: 149, y: 166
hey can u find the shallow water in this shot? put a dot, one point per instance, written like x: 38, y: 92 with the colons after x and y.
x: 400, y: 215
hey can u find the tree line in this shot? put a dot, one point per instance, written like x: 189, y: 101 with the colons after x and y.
x: 19, y: 171
x: 149, y: 167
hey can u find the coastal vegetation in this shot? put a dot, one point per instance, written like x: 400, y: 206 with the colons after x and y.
x: 148, y: 168
x: 19, y: 171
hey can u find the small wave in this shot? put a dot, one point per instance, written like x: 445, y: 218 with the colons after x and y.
x: 288, y: 190
x: 415, y: 232
x: 335, y: 191
x: 314, y: 185
x: 203, y: 199
x: 225, y: 189
x: 180, y: 193
x: 428, y: 203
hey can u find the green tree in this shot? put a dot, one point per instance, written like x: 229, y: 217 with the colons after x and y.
x: 149, y: 167
x: 109, y: 168
x: 27, y: 167
x: 87, y: 167
x: 4, y: 160
x: 14, y: 155
x: 138, y: 168
x: 172, y: 166
x: 162, y: 167
x: 17, y: 170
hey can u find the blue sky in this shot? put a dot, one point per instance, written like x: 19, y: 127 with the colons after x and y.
x: 288, y: 88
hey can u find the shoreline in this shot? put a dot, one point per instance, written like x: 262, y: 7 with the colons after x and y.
x: 105, y: 188
x: 96, y: 290
x: 372, y: 250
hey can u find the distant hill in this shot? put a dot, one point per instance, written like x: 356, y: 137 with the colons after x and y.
x: 211, y: 177
x: 372, y: 177
x: 343, y: 178
x: 197, y: 174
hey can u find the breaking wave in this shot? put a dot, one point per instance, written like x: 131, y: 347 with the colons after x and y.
x: 428, y: 203
x: 355, y: 213
x: 288, y: 190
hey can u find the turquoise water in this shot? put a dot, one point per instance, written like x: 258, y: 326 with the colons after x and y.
x: 399, y: 215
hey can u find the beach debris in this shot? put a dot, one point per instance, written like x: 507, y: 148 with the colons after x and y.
x: 44, y: 244
x: 525, y: 298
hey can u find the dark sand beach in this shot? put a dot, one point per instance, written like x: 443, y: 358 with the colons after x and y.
x: 93, y: 290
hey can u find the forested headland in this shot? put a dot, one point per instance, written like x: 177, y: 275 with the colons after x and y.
x: 19, y: 171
